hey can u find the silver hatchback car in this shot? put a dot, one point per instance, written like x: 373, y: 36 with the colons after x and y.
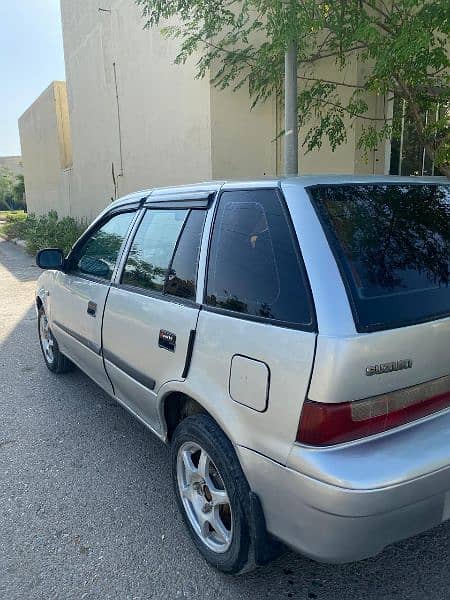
x: 289, y: 338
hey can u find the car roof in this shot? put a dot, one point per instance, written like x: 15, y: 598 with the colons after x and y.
x: 303, y: 181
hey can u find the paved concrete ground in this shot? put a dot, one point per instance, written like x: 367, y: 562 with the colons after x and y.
x: 86, y: 505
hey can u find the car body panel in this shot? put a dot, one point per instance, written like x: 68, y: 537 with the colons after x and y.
x: 78, y: 333
x: 336, y: 525
x: 334, y: 318
x: 219, y: 338
x: 341, y: 362
x: 139, y: 318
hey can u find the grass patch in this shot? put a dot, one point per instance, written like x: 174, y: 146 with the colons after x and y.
x: 6, y: 213
x: 47, y: 231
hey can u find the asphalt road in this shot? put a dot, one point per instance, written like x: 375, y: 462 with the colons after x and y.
x: 86, y: 504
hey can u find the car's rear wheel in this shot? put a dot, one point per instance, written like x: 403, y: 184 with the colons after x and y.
x: 54, y: 359
x: 212, y: 493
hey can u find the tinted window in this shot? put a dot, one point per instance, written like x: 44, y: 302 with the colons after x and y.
x: 392, y: 244
x: 152, y: 249
x: 254, y: 267
x: 182, y: 277
x: 97, y: 255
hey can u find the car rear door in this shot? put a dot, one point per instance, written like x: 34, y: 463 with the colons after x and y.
x: 78, y: 295
x: 151, y: 313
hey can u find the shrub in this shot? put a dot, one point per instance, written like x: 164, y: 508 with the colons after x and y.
x: 16, y: 225
x: 46, y: 231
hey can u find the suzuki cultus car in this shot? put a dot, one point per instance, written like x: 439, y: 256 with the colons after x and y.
x: 290, y: 340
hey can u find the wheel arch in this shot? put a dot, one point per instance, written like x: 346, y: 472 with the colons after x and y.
x: 176, y: 406
x: 178, y: 403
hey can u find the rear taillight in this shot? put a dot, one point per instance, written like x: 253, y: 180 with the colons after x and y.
x: 324, y: 424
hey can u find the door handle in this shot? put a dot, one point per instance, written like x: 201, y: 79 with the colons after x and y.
x: 92, y: 308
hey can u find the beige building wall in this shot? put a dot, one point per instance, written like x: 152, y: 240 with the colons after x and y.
x: 242, y: 140
x: 325, y: 160
x: 137, y: 120
x: 246, y: 142
x: 46, y: 150
x: 376, y: 162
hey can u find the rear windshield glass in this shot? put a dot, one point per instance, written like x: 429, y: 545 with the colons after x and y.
x: 391, y: 242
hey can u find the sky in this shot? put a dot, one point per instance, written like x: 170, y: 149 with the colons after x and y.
x: 31, y: 57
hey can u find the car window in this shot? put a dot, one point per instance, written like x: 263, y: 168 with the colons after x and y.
x: 97, y: 255
x: 254, y: 267
x: 152, y: 249
x: 182, y: 277
x: 392, y: 243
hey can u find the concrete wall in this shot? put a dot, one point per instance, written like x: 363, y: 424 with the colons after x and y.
x: 242, y: 140
x: 246, y: 143
x: 164, y: 135
x: 325, y: 160
x: 46, y: 150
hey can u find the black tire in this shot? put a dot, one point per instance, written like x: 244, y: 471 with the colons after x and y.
x: 60, y: 363
x: 201, y: 429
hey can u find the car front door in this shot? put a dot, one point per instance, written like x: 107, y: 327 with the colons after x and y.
x: 151, y: 312
x: 79, y: 294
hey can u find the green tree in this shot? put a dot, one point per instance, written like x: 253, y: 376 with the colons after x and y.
x: 6, y: 189
x: 19, y: 192
x: 12, y: 190
x: 404, y: 43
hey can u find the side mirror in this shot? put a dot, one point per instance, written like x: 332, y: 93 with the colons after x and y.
x: 50, y: 258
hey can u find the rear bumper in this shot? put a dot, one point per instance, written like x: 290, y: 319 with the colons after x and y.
x: 343, y: 521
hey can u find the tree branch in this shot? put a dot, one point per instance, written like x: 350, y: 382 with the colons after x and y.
x: 350, y: 85
x: 380, y: 12
x: 316, y: 57
x: 348, y: 111
x: 376, y: 8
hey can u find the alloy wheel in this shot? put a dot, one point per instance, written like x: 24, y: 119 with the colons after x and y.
x: 47, y: 340
x: 204, y: 497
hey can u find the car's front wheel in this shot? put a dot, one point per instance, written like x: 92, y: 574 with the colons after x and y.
x: 54, y: 359
x: 212, y: 493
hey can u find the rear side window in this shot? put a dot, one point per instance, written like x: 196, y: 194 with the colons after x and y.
x: 182, y: 276
x: 254, y: 266
x: 392, y: 244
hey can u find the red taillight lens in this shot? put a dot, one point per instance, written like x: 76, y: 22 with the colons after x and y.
x: 324, y: 424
